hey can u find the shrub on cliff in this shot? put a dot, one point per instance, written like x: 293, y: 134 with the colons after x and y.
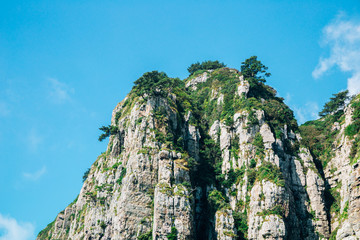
x: 335, y: 104
x: 86, y: 174
x: 254, y: 71
x: 109, y: 130
x: 206, y: 65
x: 155, y: 83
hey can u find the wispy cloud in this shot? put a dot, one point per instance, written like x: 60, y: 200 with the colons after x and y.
x: 342, y: 36
x: 287, y: 98
x: 306, y: 113
x: 35, y: 175
x: 59, y: 92
x: 13, y: 230
x: 33, y: 140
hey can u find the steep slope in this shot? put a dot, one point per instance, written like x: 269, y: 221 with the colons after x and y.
x: 215, y: 156
x: 334, y: 141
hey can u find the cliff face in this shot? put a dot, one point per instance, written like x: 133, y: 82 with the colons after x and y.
x: 212, y: 157
x: 339, y: 158
x: 343, y: 176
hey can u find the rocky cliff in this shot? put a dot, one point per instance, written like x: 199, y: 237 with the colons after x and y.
x: 334, y: 140
x: 214, y: 156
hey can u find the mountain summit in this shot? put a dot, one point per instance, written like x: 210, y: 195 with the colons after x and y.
x: 217, y: 156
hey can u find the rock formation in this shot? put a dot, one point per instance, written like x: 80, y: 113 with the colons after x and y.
x: 215, y: 156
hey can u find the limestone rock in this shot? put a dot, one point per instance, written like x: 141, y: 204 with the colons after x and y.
x: 196, y: 80
x: 204, y: 170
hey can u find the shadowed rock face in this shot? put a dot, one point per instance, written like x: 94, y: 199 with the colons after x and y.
x: 210, y: 157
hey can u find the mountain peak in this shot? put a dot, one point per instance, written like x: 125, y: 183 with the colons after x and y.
x: 215, y: 156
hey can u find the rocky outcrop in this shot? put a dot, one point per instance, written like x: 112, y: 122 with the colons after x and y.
x: 208, y: 158
x: 224, y: 225
x: 193, y: 82
x: 299, y: 196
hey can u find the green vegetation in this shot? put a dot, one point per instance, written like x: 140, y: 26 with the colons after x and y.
x: 210, y: 165
x: 102, y: 225
x: 335, y: 193
x: 86, y: 174
x: 252, y: 163
x: 228, y: 90
x: 356, y: 105
x: 172, y: 90
x: 354, y: 150
x: 312, y: 214
x: 270, y: 172
x: 251, y: 175
x: 344, y: 214
x: 260, y: 96
x: 173, y: 234
x: 254, y: 71
x: 116, y: 165
x: 122, y: 175
x: 109, y: 130
x: 91, y: 195
x: 319, y: 137
x: 277, y: 114
x: 336, y: 103
x: 241, y: 224
x: 145, y: 236
x: 233, y: 177
x: 333, y: 234
x: 275, y: 210
x: 229, y: 234
x: 155, y: 84
x: 266, y: 171
x: 259, y: 145
x: 44, y: 234
x: 207, y: 65
x: 223, y: 81
x: 107, y: 187
x: 354, y: 128
x: 218, y: 200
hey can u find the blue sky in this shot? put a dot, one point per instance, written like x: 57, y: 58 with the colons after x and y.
x: 64, y: 65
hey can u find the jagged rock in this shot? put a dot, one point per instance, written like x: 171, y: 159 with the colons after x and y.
x: 214, y: 130
x: 224, y: 225
x: 196, y: 80
x: 243, y: 87
x: 267, y: 135
x: 173, y: 168
x: 273, y: 227
x: 220, y: 99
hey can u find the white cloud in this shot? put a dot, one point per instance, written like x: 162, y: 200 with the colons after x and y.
x: 35, y: 175
x: 306, y: 113
x: 287, y: 98
x: 10, y: 229
x: 59, y: 92
x: 342, y: 36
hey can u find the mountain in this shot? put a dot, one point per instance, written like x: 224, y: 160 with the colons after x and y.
x: 217, y: 156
